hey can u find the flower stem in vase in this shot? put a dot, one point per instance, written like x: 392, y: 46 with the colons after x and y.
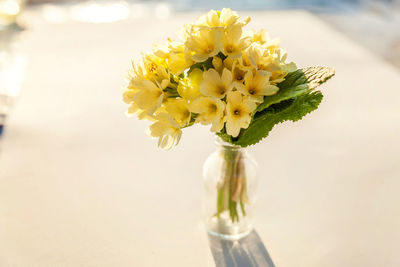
x: 232, y: 189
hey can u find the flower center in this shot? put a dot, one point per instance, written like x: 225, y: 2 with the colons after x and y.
x: 213, y: 108
x: 252, y: 91
x: 229, y: 49
x: 186, y: 114
x: 221, y: 90
x: 236, y: 112
x: 210, y: 48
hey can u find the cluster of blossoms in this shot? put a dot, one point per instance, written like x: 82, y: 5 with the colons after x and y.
x: 216, y: 75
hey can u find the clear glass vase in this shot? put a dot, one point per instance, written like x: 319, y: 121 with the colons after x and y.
x: 230, y: 184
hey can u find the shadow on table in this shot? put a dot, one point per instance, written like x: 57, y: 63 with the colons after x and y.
x: 246, y: 252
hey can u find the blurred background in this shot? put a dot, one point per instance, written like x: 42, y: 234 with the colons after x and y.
x: 82, y: 185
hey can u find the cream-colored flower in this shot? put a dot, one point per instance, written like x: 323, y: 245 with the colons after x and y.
x: 210, y: 111
x: 260, y: 36
x: 189, y: 88
x: 217, y: 64
x: 256, y: 86
x: 179, y: 110
x: 211, y: 19
x: 214, y: 85
x: 148, y: 97
x: 167, y: 130
x: 238, y: 113
x: 225, y: 18
x: 162, y: 77
x: 175, y: 54
x: 228, y: 17
x: 270, y: 61
x: 152, y: 68
x: 238, y: 73
x: 127, y: 96
x: 233, y: 42
x: 150, y: 63
x: 140, y: 113
x: 205, y: 43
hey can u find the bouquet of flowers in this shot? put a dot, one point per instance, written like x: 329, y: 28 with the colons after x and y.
x: 217, y: 74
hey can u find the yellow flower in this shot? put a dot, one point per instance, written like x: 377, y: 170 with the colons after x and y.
x: 189, y: 88
x: 217, y: 64
x: 167, y: 130
x: 210, y: 111
x: 238, y: 113
x: 179, y: 110
x: 162, y: 77
x: 271, y: 61
x: 135, y: 74
x: 150, y: 63
x: 211, y: 19
x: 228, y: 17
x: 225, y: 18
x: 205, y: 43
x: 141, y: 114
x: 177, y: 63
x: 233, y: 42
x: 260, y: 37
x: 174, y: 53
x: 238, y: 73
x: 127, y: 96
x: 256, y: 86
x: 215, y: 85
x: 148, y: 97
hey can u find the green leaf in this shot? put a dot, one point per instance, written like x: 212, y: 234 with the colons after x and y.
x: 288, y: 110
x: 296, y: 83
x: 225, y: 136
x: 205, y: 65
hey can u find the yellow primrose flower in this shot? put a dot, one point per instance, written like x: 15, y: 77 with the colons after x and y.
x: 210, y: 111
x: 215, y: 85
x: 228, y: 17
x: 141, y: 114
x: 177, y: 63
x: 256, y: 86
x: 233, y: 42
x: 167, y: 130
x: 217, y: 64
x: 136, y: 74
x: 260, y: 36
x: 238, y: 73
x: 150, y: 64
x: 174, y: 53
x: 205, y: 43
x: 127, y: 96
x: 279, y: 76
x: 270, y: 63
x: 179, y: 110
x: 238, y: 113
x: 148, y: 97
x: 225, y: 18
x: 211, y: 19
x: 189, y: 88
x: 162, y: 77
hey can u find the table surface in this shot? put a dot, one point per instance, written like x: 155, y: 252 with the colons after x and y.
x: 82, y: 185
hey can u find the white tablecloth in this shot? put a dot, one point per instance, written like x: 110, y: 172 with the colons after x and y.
x: 82, y: 185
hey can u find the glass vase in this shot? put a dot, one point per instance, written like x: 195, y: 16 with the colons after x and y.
x: 230, y: 184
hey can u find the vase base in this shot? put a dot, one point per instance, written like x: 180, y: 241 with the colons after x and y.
x: 231, y: 237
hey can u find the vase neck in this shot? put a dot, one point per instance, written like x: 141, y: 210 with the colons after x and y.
x: 221, y: 144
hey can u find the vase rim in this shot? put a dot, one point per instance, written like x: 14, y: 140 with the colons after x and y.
x: 222, y: 143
